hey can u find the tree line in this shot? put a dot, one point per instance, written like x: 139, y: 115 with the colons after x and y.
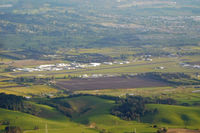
x: 171, y: 78
x: 133, y: 107
x: 11, y: 102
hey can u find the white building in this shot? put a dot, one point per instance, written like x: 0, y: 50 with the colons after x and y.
x: 108, y: 63
x: 95, y: 64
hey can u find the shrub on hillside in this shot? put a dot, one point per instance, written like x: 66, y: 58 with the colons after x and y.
x: 13, y: 129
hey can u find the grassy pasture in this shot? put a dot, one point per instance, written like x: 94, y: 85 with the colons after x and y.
x: 28, y: 122
x: 10, y: 92
x: 94, y: 113
x: 113, y: 52
x: 7, y: 84
x: 183, y: 94
x: 172, y: 115
x: 57, y: 122
x: 148, y: 91
x: 30, y: 90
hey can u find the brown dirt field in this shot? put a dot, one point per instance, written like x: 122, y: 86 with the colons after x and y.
x: 182, y: 131
x: 108, y: 83
x: 195, y: 63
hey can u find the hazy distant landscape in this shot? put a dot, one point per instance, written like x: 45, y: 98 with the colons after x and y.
x: 55, y: 24
x: 99, y: 66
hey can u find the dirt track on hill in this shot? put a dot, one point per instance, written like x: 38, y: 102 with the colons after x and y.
x: 182, y: 131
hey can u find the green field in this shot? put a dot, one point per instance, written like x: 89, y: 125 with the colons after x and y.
x: 171, y: 115
x: 59, y: 123
x: 29, y: 90
x: 96, y: 119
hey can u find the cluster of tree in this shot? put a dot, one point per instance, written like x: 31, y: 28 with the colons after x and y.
x: 88, y: 58
x: 29, y: 53
x: 123, y: 56
x: 11, y: 102
x: 32, y: 79
x: 162, y: 130
x: 168, y: 101
x: 152, y: 52
x: 117, y: 39
x: 108, y: 97
x: 119, y: 100
x: 31, y: 109
x: 159, y: 75
x: 9, y: 69
x: 17, y: 103
x: 25, y: 79
x: 65, y: 108
x: 13, y: 129
x: 188, y: 53
x: 62, y: 106
x: 4, y: 122
x: 126, y: 76
x: 172, y: 78
x: 9, y: 56
x: 131, y: 108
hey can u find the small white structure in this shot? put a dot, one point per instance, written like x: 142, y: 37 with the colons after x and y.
x: 96, y: 75
x: 62, y: 65
x: 108, y: 63
x: 196, y: 66
x: 147, y: 56
x: 117, y: 62
x: 161, y: 68
x: 95, y: 64
x: 126, y: 62
x: 85, y: 76
x: 148, y: 59
x: 44, y: 66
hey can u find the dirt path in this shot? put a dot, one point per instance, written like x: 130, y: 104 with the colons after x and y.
x: 182, y: 131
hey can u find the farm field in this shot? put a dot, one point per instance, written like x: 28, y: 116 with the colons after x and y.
x: 108, y: 83
x: 29, y: 90
x: 177, y: 115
